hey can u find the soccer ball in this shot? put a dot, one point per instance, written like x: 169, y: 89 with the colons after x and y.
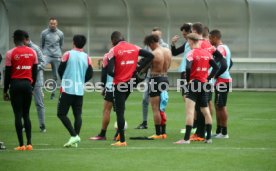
x: 116, y: 125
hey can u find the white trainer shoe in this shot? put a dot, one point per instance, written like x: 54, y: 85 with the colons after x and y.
x: 221, y: 136
x: 72, y: 140
x: 182, y: 142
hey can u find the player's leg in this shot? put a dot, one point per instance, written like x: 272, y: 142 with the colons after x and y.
x: 207, y: 115
x: 190, y: 103
x: 218, y: 119
x: 190, y: 110
x: 106, y: 116
x: 39, y: 102
x: 119, y: 101
x: 223, y: 114
x: 107, y: 107
x: 55, y: 62
x: 77, y: 112
x: 64, y: 104
x: 155, y: 104
x: 200, y: 127
x: 17, y: 106
x: 27, y: 100
x: 145, y: 104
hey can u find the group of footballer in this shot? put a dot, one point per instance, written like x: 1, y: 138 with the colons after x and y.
x: 204, y: 67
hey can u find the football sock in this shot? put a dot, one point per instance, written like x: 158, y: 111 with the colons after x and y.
x: 218, y: 131
x: 103, y: 132
x: 208, y: 130
x: 157, y: 129
x: 195, y: 123
x: 188, y: 132
x: 224, y: 130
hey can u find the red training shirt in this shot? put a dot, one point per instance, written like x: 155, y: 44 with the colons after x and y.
x: 126, y: 57
x: 200, y: 65
x: 21, y: 59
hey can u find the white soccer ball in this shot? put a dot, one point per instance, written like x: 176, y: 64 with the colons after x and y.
x: 116, y: 125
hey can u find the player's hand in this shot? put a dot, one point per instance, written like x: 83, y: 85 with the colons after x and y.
x: 6, y: 97
x: 175, y: 39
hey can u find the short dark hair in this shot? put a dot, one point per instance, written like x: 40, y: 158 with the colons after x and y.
x: 216, y: 33
x: 156, y: 29
x: 187, y: 27
x: 198, y: 27
x: 79, y: 40
x: 116, y: 37
x: 151, y: 39
x: 26, y: 35
x: 52, y: 18
x: 18, y: 36
x: 205, y: 31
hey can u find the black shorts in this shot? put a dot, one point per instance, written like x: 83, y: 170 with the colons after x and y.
x: 68, y: 100
x: 157, y: 85
x: 197, y: 93
x: 221, y: 94
x: 108, y: 95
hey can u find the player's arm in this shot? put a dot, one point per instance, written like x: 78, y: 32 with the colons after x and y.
x: 7, y: 80
x: 146, y: 60
x: 34, y: 74
x: 214, y: 70
x: 188, y: 69
x: 63, y: 64
x: 42, y: 40
x: 89, y: 71
x: 223, y: 64
x: 34, y: 68
x: 177, y: 51
x: 104, y: 76
x: 61, y: 41
x: 41, y: 60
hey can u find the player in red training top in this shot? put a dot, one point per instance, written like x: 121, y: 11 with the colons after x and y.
x: 20, y: 78
x: 122, y: 65
x: 198, y: 63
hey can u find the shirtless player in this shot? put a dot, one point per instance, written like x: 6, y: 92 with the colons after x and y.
x: 158, y: 83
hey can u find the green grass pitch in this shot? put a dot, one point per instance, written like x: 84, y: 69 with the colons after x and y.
x: 252, y: 143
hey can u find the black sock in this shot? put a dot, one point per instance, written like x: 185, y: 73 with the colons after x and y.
x: 157, y: 129
x: 188, y: 132
x: 224, y: 130
x: 218, y: 131
x: 195, y: 123
x: 103, y: 132
x: 145, y: 123
x: 208, y: 130
x: 163, y: 129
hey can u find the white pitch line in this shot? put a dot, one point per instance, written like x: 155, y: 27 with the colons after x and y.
x: 178, y: 147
